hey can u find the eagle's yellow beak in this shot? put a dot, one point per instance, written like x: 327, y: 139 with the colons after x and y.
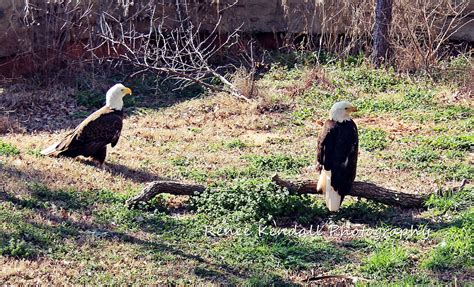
x: 352, y: 109
x: 127, y: 91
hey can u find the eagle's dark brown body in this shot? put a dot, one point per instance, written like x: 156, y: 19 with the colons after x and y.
x: 91, y: 137
x: 338, y: 146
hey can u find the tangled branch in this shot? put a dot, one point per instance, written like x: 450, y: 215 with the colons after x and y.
x: 182, y: 53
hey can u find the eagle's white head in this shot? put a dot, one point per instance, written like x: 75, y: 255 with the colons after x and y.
x: 341, y: 111
x: 114, y: 96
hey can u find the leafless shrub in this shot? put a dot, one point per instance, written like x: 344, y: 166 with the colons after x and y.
x: 53, y: 36
x: 419, y: 33
x: 244, y: 81
x: 346, y: 25
x: 67, y: 36
x: 420, y: 30
x: 8, y: 125
x: 182, y: 53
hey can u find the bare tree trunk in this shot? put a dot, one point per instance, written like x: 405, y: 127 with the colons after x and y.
x: 360, y: 189
x: 383, y: 18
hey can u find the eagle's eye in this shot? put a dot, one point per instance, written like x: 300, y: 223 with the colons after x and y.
x: 121, y: 90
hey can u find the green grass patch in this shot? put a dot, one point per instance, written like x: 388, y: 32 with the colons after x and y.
x: 417, y: 97
x: 277, y: 163
x: 367, y: 79
x: 262, y: 166
x: 193, y: 174
x: 443, y: 155
x: 8, y: 149
x: 452, y: 113
x: 262, y: 251
x: 252, y: 200
x: 235, y: 144
x: 16, y: 248
x: 386, y: 260
x: 246, y: 200
x: 379, y: 105
x: 455, y: 251
x: 372, y: 139
x: 421, y: 154
x: 450, y: 200
x: 21, y: 237
x: 457, y: 142
x: 180, y: 161
x: 299, y: 117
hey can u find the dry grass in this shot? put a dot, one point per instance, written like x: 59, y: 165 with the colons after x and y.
x: 198, y: 130
x: 204, y: 136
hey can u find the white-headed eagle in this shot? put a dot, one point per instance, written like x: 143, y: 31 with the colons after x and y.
x: 338, y: 146
x: 91, y: 137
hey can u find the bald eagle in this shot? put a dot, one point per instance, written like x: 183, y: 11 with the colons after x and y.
x: 91, y: 137
x: 338, y: 146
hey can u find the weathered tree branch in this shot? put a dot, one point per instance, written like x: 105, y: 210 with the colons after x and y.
x: 163, y: 186
x: 182, y: 53
x: 360, y: 189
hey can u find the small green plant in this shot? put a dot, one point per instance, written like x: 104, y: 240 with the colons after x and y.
x: 195, y: 130
x: 35, y: 153
x: 8, y: 149
x: 237, y: 144
x: 421, y: 154
x: 451, y: 200
x: 252, y: 199
x: 460, y: 62
x: 373, y: 139
x: 274, y: 163
x: 456, y: 249
x: 16, y: 248
x: 386, y: 259
x: 298, y: 117
x: 180, y: 161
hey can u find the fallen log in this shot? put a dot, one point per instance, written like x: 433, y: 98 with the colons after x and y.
x: 360, y: 189
x: 154, y: 188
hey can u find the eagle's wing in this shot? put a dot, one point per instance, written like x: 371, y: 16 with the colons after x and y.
x: 99, y: 129
x: 116, y: 137
x: 326, y: 145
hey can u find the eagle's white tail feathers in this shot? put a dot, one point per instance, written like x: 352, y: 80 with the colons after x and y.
x: 49, y: 150
x: 322, y: 182
x: 333, y: 199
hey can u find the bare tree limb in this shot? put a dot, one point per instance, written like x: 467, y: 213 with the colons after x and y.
x: 181, y: 53
x: 360, y: 189
x: 163, y: 186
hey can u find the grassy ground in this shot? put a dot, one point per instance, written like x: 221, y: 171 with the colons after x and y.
x: 63, y: 221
